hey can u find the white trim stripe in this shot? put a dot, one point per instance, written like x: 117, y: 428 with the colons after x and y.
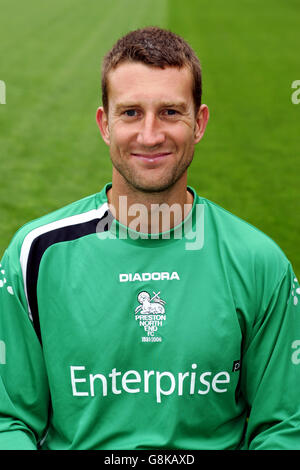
x: 65, y: 222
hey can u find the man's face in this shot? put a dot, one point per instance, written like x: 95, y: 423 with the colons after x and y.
x: 151, y: 126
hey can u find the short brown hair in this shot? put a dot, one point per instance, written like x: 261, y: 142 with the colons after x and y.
x: 155, y: 47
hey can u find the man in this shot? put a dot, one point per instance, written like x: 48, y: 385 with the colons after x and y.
x: 145, y: 316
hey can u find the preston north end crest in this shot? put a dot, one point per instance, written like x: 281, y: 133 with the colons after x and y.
x: 150, y: 314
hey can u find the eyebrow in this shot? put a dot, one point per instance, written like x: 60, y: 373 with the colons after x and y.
x: 121, y: 106
x: 180, y: 105
x: 166, y: 104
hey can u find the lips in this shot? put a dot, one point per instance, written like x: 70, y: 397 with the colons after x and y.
x: 153, y: 157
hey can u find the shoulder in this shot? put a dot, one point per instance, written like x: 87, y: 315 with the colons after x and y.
x: 89, y: 208
x: 242, y: 241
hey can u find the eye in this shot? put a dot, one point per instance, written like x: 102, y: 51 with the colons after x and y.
x: 130, y: 112
x: 170, y: 112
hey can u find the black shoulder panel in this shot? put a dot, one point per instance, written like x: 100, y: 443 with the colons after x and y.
x: 44, y: 241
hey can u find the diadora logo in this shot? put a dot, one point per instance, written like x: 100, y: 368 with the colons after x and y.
x: 156, y: 276
x: 150, y: 314
x: 295, y: 291
x: 3, y: 281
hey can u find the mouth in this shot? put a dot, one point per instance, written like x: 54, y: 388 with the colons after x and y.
x: 151, y: 158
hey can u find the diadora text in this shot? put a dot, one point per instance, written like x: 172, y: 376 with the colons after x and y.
x: 165, y: 276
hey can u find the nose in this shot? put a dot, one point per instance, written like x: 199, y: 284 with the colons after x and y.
x: 151, y: 133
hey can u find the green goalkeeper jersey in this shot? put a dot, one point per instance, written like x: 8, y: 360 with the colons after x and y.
x: 114, y: 339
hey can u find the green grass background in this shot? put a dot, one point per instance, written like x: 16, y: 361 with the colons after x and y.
x: 51, y: 152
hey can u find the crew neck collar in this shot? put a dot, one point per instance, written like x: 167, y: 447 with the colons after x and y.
x: 127, y: 234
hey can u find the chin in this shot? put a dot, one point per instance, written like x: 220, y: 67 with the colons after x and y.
x: 152, y: 186
x: 158, y: 182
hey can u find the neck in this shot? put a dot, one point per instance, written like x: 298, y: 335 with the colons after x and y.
x: 149, y: 212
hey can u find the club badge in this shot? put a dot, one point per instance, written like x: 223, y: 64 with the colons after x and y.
x: 150, y: 314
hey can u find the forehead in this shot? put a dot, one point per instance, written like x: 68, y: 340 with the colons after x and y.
x: 134, y: 81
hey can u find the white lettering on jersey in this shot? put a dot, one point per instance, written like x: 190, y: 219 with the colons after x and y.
x: 156, y: 276
x: 159, y: 383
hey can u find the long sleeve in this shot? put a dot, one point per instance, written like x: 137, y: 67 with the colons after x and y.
x: 271, y: 370
x: 24, y: 395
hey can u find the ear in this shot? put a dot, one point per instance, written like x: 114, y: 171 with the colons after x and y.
x: 201, y: 122
x: 102, y: 121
